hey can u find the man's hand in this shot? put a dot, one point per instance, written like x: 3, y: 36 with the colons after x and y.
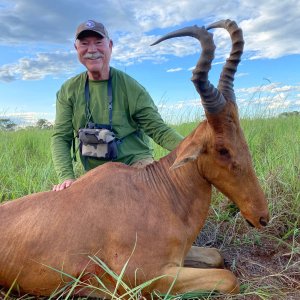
x: 64, y: 185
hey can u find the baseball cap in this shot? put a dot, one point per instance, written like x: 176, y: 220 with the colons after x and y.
x: 91, y: 25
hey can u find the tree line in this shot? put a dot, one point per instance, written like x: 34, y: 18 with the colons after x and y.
x: 7, y: 124
x: 289, y: 114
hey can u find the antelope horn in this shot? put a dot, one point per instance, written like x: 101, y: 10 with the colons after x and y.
x: 212, y: 100
x: 225, y: 85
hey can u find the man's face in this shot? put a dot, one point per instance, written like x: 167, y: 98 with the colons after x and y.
x: 94, y: 53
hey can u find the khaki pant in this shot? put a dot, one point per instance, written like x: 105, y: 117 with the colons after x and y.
x: 143, y: 163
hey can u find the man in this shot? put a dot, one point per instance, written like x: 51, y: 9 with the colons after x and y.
x: 86, y: 97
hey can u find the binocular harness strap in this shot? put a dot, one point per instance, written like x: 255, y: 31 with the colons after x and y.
x: 87, y: 99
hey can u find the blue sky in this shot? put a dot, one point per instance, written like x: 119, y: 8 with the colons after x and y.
x: 37, y: 53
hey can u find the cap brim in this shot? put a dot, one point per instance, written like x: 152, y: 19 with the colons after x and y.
x: 89, y: 32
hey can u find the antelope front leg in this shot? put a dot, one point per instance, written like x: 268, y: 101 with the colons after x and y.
x: 192, y: 279
x: 200, y: 257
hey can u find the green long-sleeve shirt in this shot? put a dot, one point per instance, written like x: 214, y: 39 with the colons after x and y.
x: 134, y: 118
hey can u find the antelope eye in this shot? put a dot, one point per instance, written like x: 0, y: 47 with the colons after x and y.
x: 224, y: 153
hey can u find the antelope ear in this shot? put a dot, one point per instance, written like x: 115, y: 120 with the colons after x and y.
x: 186, y: 152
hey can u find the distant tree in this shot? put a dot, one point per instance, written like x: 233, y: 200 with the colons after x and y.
x: 43, y: 124
x: 289, y: 114
x: 7, y: 124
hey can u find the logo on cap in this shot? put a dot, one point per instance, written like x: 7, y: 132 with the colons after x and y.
x: 90, y: 24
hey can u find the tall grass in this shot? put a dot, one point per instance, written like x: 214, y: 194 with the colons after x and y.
x: 275, y: 147
x: 267, y: 262
x: 25, y: 161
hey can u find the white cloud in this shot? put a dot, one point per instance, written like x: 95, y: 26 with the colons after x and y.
x: 190, y: 103
x: 56, y: 22
x: 241, y: 75
x: 218, y: 63
x: 285, y: 88
x: 38, y: 67
x: 279, y: 105
x: 181, y: 111
x: 271, y: 97
x: 174, y: 70
x: 270, y: 29
x: 271, y: 88
x: 261, y: 88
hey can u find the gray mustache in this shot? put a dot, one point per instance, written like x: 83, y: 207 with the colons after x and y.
x: 93, y: 55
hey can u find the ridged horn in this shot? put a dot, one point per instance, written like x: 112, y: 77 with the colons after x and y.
x: 212, y: 100
x: 225, y: 85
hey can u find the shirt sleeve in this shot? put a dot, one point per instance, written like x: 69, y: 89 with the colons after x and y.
x: 62, y: 137
x: 148, y: 117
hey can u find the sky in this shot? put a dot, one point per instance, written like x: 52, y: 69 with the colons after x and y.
x: 38, y: 55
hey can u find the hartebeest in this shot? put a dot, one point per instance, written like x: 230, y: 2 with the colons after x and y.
x: 158, y: 211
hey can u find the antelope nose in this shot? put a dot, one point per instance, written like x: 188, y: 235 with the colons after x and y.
x: 263, y: 221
